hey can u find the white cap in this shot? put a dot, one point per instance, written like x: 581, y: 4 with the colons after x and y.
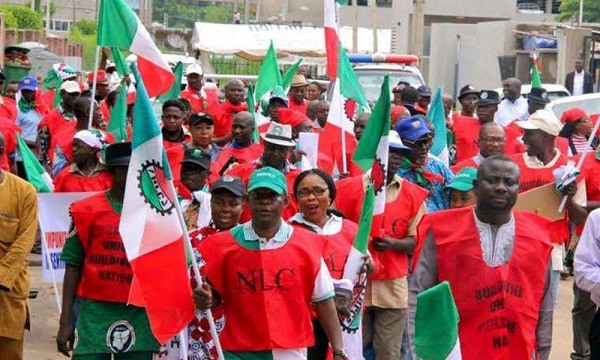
x: 544, y: 120
x: 194, y: 69
x: 70, y: 87
x: 395, y: 142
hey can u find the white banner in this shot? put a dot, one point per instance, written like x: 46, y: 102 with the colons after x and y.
x: 54, y: 222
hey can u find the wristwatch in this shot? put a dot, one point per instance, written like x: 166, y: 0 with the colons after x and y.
x: 341, y: 353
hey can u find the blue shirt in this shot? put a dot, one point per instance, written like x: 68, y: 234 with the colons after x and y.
x: 28, y: 122
x: 438, y: 199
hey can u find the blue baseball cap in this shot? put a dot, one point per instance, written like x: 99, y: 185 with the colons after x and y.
x: 412, y: 128
x: 28, y: 83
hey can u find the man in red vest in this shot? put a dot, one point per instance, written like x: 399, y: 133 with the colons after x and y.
x: 497, y: 262
x: 201, y: 98
x: 278, y: 272
x: 466, y: 130
x: 99, y: 273
x: 234, y: 103
x: 297, y: 94
x: 57, y: 119
x: 242, y: 148
x: 537, y: 165
x: 491, y: 141
x: 175, y: 135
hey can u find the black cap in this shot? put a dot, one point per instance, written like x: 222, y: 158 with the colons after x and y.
x: 488, y: 97
x: 409, y: 94
x: 197, y: 157
x: 467, y: 90
x: 538, y: 95
x: 117, y: 154
x: 233, y: 184
x: 199, y: 118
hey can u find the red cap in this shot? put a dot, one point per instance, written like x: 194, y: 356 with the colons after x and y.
x: 396, y: 111
x: 291, y: 117
x: 573, y: 114
x: 102, y: 78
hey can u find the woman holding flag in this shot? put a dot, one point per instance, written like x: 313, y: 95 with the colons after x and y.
x: 315, y: 191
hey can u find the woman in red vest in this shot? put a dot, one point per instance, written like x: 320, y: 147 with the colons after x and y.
x: 315, y: 191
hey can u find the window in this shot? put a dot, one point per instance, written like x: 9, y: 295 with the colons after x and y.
x: 59, y: 25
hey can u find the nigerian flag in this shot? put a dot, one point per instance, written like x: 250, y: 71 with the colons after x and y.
x: 436, y: 324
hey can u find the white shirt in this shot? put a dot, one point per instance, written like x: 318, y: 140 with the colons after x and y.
x: 509, y: 111
x: 497, y: 242
x: 578, y: 83
x: 587, y: 257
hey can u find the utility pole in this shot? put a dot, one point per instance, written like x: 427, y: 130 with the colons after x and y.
x: 418, y: 26
x: 580, y: 12
x: 246, y: 11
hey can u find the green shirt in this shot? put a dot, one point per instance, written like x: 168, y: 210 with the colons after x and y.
x: 105, y: 327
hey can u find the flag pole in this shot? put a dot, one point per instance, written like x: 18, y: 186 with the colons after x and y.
x: 48, y: 260
x: 188, y: 245
x: 96, y: 63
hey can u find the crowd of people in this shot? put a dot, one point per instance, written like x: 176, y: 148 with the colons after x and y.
x: 273, y: 238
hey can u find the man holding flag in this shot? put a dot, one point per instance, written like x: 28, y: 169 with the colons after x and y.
x: 279, y: 271
x: 99, y: 273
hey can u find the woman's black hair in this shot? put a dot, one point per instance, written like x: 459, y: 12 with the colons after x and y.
x: 568, y: 129
x: 323, y: 175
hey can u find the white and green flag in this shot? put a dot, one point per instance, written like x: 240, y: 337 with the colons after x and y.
x: 436, y: 324
x: 35, y: 172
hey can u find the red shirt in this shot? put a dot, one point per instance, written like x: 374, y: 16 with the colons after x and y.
x: 210, y: 104
x: 298, y: 107
x: 244, y: 155
x: 63, y: 141
x: 9, y: 130
x: 8, y: 108
x: 466, y: 132
x: 228, y: 112
x: 70, y: 179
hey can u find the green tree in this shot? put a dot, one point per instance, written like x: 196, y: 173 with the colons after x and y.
x: 570, y: 8
x: 22, y: 17
x: 9, y: 20
x: 84, y: 32
x: 218, y: 13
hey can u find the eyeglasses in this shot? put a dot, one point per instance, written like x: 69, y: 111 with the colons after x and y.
x: 316, y: 191
x: 419, y: 143
x: 494, y: 140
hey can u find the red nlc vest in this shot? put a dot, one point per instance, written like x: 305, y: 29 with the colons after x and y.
x: 336, y: 247
x: 106, y: 274
x: 396, y: 219
x: 266, y: 293
x: 498, y: 306
x: 533, y: 178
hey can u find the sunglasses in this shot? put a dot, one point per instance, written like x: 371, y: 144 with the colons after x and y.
x: 426, y: 142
